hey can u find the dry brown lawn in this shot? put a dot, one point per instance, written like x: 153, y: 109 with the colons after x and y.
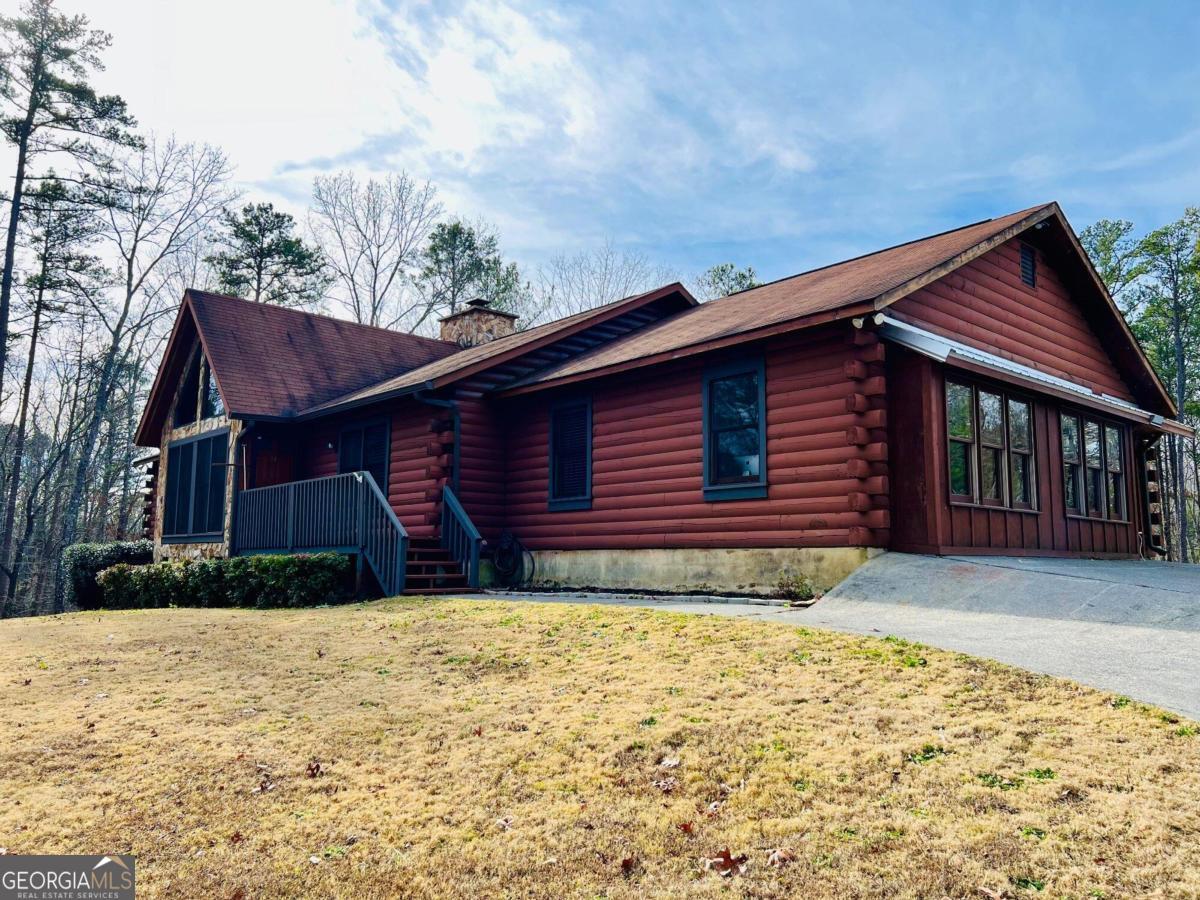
x: 470, y: 748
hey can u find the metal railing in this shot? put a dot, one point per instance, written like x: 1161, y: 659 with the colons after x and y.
x: 343, y: 513
x: 460, y: 536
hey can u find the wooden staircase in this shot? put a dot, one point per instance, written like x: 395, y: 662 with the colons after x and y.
x: 431, y: 570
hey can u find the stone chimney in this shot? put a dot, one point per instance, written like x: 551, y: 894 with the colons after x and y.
x: 477, y: 324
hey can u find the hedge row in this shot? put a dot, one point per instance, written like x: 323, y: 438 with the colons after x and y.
x: 83, y: 562
x: 261, y: 582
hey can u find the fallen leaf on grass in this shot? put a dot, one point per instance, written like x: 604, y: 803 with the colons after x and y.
x: 236, y: 838
x: 629, y: 865
x: 687, y: 827
x: 669, y: 762
x: 713, y: 809
x: 315, y: 860
x: 477, y: 731
x: 313, y: 769
x: 726, y: 864
x: 28, y: 682
x: 505, y: 823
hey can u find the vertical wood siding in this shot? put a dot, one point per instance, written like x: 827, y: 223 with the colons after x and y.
x: 986, y: 304
x: 823, y: 391
x: 930, y: 523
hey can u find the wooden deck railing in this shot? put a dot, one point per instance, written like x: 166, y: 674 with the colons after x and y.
x: 343, y: 513
x: 460, y: 536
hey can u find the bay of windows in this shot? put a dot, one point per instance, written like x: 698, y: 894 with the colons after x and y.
x: 989, y: 447
x: 1093, y: 468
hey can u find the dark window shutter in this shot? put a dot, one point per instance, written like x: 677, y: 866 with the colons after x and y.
x: 1028, y: 265
x: 571, y: 426
x: 374, y: 453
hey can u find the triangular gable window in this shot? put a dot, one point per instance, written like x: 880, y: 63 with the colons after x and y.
x: 198, y: 394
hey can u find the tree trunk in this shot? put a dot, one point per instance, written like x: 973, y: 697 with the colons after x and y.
x: 8, y: 575
x: 14, y: 209
x: 1176, y: 444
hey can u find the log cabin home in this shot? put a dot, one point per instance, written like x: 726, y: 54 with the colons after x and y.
x: 972, y: 392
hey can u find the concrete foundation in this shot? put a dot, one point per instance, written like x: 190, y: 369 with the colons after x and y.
x: 733, y: 571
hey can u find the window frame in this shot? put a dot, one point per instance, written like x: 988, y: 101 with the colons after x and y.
x: 196, y: 537
x: 578, y: 501
x: 1080, y: 507
x: 1104, y: 425
x: 755, y: 489
x: 362, y: 425
x: 977, y: 446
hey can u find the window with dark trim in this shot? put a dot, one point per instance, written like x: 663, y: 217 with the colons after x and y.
x: 571, y: 455
x: 197, y: 473
x: 189, y: 390
x: 735, y: 431
x: 989, y: 447
x: 1029, y: 265
x: 210, y: 398
x: 363, y: 447
x: 1093, y: 468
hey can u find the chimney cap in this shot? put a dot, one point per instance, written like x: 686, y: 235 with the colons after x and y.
x: 479, y: 303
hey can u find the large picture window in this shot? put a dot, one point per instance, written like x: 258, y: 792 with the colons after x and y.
x: 735, y: 432
x: 571, y: 455
x: 989, y: 447
x: 1093, y: 468
x: 197, y: 472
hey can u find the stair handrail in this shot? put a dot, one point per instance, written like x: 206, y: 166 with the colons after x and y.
x: 388, y: 563
x: 460, y: 536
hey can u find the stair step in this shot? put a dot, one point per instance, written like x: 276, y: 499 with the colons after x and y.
x: 440, y: 571
x: 422, y: 579
x: 440, y: 590
x: 428, y: 554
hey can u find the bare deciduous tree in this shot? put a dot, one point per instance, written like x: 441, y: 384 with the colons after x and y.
x: 372, y: 235
x: 571, y: 284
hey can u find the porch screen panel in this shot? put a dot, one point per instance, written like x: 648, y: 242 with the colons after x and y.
x: 194, y: 506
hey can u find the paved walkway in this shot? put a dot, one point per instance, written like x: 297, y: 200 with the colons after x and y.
x: 1128, y: 627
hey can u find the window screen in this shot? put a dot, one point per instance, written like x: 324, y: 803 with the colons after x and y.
x: 194, y: 505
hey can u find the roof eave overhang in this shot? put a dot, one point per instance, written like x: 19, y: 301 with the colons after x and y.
x: 742, y: 337
x: 614, y: 310
x: 1035, y: 218
x: 954, y: 353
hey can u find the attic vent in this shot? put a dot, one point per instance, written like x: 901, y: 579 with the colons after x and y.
x: 1028, y: 265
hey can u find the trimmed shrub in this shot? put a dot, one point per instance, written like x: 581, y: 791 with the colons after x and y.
x: 261, y: 582
x: 83, y: 562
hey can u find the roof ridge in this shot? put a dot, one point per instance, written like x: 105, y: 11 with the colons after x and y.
x: 315, y: 315
x: 850, y: 259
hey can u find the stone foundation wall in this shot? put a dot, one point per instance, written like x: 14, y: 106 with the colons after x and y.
x: 733, y: 571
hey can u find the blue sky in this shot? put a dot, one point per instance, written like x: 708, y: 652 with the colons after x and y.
x: 781, y: 136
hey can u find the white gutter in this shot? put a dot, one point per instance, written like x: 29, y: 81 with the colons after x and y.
x: 948, y: 350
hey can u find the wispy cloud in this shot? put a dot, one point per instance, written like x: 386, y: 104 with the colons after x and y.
x: 779, y: 135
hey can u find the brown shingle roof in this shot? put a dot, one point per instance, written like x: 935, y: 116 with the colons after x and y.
x: 845, y: 288
x: 272, y: 362
x: 495, y: 351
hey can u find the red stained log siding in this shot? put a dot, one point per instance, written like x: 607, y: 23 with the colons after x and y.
x: 823, y: 391
x: 415, y: 470
x: 986, y: 304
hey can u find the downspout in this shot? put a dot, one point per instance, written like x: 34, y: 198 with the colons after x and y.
x: 456, y: 419
x: 237, y: 482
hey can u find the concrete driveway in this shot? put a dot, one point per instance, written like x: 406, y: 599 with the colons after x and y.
x: 1125, y: 626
